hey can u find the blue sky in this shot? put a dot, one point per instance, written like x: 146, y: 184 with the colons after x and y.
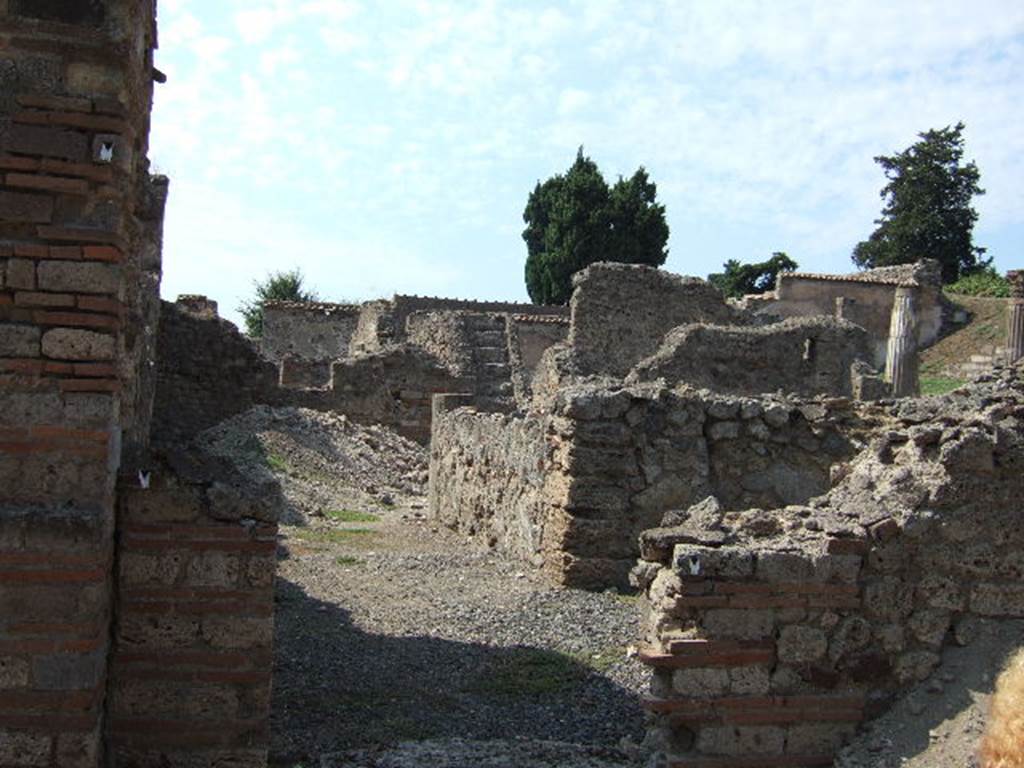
x: 390, y: 146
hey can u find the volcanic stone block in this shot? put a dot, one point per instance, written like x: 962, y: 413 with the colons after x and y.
x: 78, y: 277
x: 19, y: 340
x: 75, y: 344
x: 24, y: 206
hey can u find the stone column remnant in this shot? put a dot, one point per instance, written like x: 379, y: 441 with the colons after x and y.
x: 1015, y: 316
x: 901, y: 359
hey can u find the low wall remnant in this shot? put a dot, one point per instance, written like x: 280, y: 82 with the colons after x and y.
x: 773, y: 633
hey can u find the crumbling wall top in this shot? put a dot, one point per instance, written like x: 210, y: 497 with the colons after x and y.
x: 621, y: 312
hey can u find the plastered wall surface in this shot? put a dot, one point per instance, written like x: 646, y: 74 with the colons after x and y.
x: 308, y: 331
x: 867, y: 300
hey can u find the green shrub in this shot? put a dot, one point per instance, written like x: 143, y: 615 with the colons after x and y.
x: 939, y: 385
x: 276, y: 463
x: 984, y: 282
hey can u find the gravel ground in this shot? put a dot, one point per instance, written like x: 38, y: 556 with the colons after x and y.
x: 406, y: 632
x: 390, y: 631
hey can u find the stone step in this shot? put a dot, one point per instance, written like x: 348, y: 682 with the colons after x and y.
x: 492, y: 355
x: 489, y: 338
x: 485, y: 323
x: 495, y: 371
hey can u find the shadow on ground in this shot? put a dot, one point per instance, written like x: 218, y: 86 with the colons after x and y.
x: 338, y: 688
x: 939, y: 722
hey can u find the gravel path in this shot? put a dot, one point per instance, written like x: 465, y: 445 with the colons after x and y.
x: 400, y: 631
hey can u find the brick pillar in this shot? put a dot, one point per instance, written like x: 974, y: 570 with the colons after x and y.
x: 901, y: 359
x: 75, y: 91
x: 1015, y: 316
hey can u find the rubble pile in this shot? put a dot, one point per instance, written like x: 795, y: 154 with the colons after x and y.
x: 322, y: 460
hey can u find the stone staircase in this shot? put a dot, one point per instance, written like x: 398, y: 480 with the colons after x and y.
x: 978, y: 364
x: 489, y: 339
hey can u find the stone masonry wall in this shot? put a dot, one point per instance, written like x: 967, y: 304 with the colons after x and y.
x: 621, y: 313
x: 805, y: 356
x: 620, y: 458
x: 403, y: 306
x: 491, y: 478
x: 308, y: 330
x: 206, y: 371
x: 772, y: 634
x: 75, y: 91
x: 192, y: 657
x: 393, y: 387
x: 444, y: 335
x: 528, y: 339
x: 867, y: 300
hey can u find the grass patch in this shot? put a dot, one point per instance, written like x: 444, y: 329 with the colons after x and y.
x: 334, y: 535
x: 602, y: 660
x: 351, y: 516
x: 632, y: 598
x: 346, y: 560
x: 538, y: 672
x: 276, y: 463
x: 939, y: 385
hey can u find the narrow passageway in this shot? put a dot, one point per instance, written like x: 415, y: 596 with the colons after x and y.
x: 390, y: 629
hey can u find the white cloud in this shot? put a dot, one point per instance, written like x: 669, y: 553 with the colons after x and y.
x: 572, y: 100
x: 425, y: 121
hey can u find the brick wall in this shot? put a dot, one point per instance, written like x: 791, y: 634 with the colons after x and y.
x: 75, y: 90
x: 191, y: 666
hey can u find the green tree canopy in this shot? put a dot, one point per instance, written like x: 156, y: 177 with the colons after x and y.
x: 575, y: 219
x: 738, y: 279
x: 277, y: 286
x: 927, y: 211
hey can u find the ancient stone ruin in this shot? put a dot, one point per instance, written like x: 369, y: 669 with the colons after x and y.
x: 806, y: 542
x: 773, y: 633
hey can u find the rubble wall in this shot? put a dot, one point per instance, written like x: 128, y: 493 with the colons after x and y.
x: 620, y: 458
x: 489, y: 475
x: 207, y: 370
x: 402, y: 306
x: 772, y: 634
x: 307, y: 330
x: 804, y: 356
x: 375, y: 328
x: 621, y: 313
x: 444, y: 335
x: 393, y: 387
x: 302, y: 373
x: 75, y: 93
